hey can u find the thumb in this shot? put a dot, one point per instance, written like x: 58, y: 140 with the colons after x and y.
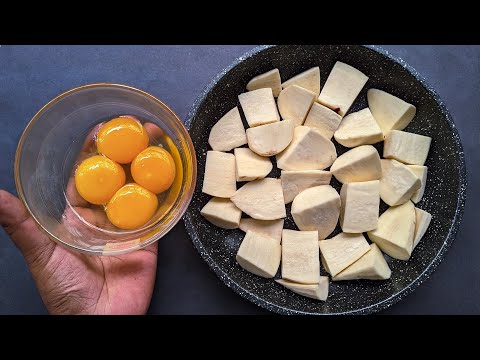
x: 17, y: 222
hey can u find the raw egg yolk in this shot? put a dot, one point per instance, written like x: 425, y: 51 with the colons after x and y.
x: 154, y: 169
x: 121, y: 139
x: 131, y: 207
x: 98, y: 178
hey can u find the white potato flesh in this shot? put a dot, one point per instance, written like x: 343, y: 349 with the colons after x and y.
x: 259, y: 107
x: 300, y: 256
x: 270, y: 139
x: 259, y: 254
x: 228, y: 133
x: 398, y: 182
x: 358, y: 128
x: 222, y: 213
x: 295, y: 181
x: 294, y: 103
x: 358, y: 164
x: 314, y: 291
x: 390, y: 112
x: 342, y: 251
x: 219, y: 179
x: 270, y: 79
x: 360, y: 206
x: 270, y: 228
x: 371, y: 266
x: 250, y: 166
x: 395, y: 231
x: 406, y: 147
x: 323, y: 119
x: 317, y: 209
x: 421, y: 172
x: 342, y: 87
x: 422, y: 223
x: 309, y: 150
x: 309, y: 79
x: 261, y: 199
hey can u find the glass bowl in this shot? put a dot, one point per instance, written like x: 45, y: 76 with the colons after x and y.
x: 46, y: 158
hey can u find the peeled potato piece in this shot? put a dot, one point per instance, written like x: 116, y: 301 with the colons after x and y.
x: 395, y: 231
x: 250, y: 166
x: 259, y: 107
x: 398, y: 182
x: 323, y: 119
x: 219, y: 179
x: 422, y: 219
x: 309, y: 80
x: 406, y: 147
x: 342, y: 87
x: 342, y: 251
x: 270, y: 139
x: 390, y: 112
x: 294, y: 182
x: 270, y: 79
x: 317, y: 209
x: 222, y: 213
x: 359, y: 164
x: 360, y: 206
x: 309, y: 150
x: 270, y: 228
x: 314, y: 291
x: 228, y: 133
x: 300, y: 256
x: 259, y: 254
x: 261, y: 199
x: 371, y: 266
x: 421, y: 173
x: 358, y: 128
x: 294, y: 102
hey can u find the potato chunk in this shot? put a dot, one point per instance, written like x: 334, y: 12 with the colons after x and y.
x: 259, y: 254
x: 219, y: 179
x: 300, y: 259
x: 360, y: 206
x: 228, y: 133
x: 395, y: 231
x: 358, y: 128
x: 309, y: 150
x: 323, y: 119
x: 359, y: 164
x: 342, y: 87
x: 406, y: 147
x: 261, y: 199
x: 342, y: 251
x: 222, y: 213
x: 390, y: 112
x: 250, y: 166
x: 259, y: 107
x: 270, y: 79
x: 317, y: 209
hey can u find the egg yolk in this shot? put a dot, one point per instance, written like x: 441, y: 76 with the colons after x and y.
x: 154, y: 169
x: 131, y: 207
x: 98, y: 178
x: 121, y: 139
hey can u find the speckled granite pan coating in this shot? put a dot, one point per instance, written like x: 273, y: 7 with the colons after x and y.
x: 444, y: 197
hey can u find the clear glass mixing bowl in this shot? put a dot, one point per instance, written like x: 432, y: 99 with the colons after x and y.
x: 46, y: 155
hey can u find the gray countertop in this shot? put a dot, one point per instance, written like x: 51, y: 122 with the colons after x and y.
x: 32, y: 75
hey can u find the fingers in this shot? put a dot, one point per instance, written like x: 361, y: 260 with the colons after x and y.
x: 154, y: 132
x: 23, y: 230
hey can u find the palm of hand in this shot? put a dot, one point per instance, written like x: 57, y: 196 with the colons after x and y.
x: 74, y: 283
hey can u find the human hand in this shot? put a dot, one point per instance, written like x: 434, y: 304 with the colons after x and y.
x: 76, y: 283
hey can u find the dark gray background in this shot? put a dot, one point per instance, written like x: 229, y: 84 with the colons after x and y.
x: 32, y: 75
